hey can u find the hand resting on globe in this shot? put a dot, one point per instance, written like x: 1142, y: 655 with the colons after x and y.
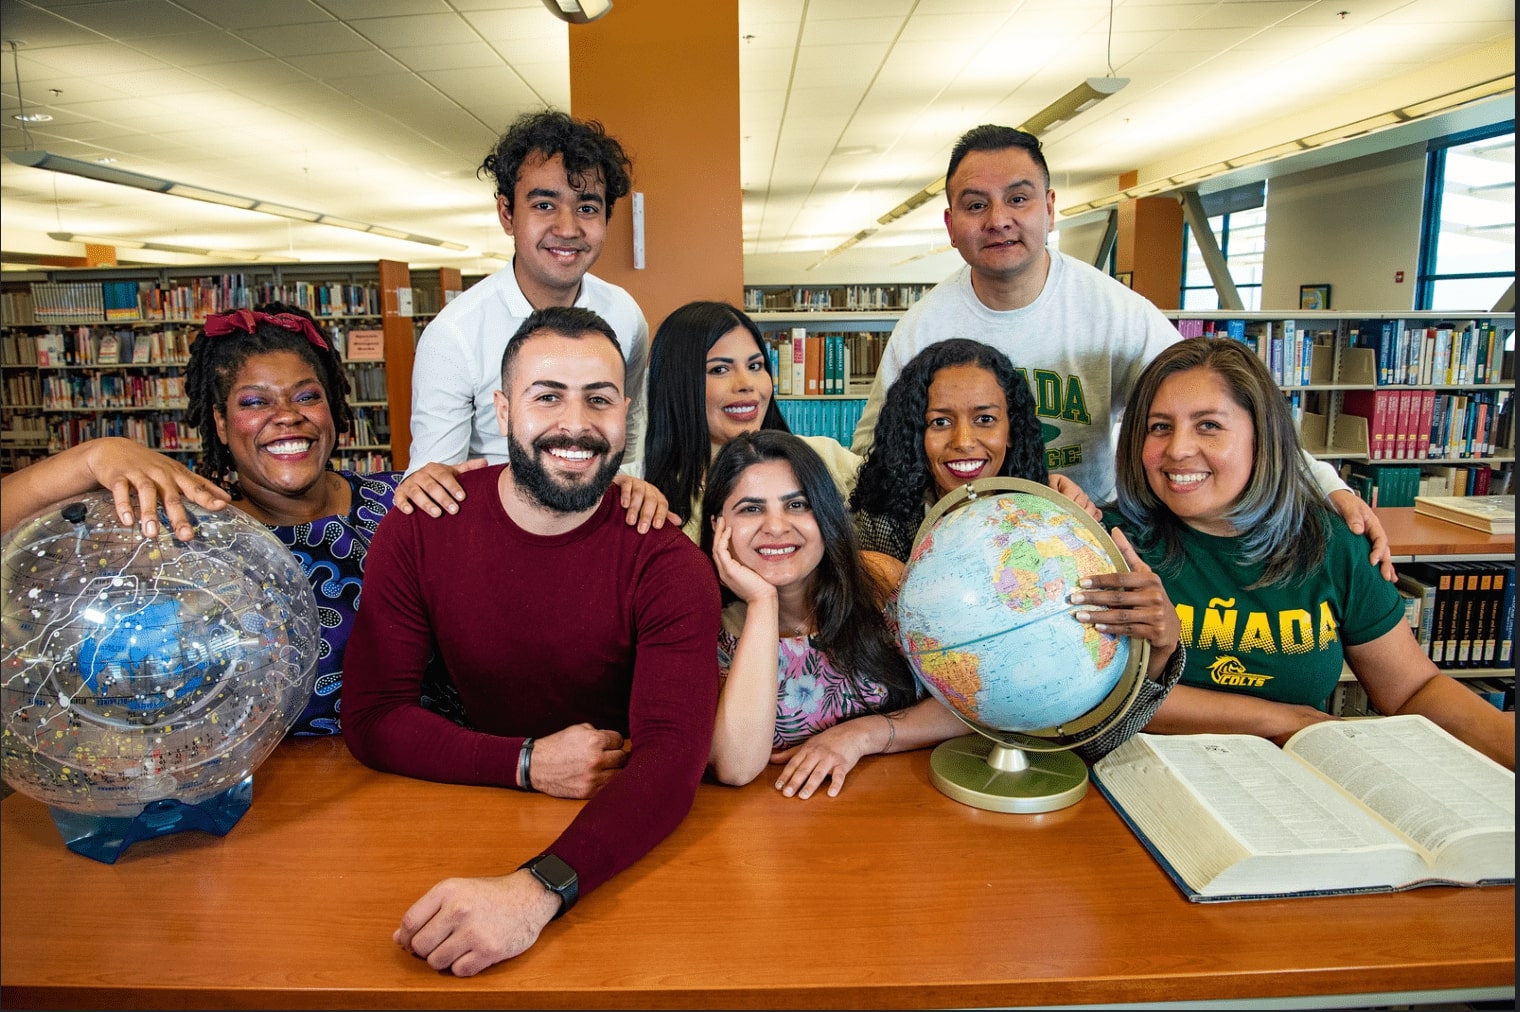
x: 1132, y: 604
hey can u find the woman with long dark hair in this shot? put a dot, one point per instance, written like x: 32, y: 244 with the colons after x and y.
x: 709, y: 381
x: 812, y: 673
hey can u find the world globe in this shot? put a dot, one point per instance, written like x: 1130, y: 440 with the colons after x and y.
x: 146, y: 678
x: 986, y: 623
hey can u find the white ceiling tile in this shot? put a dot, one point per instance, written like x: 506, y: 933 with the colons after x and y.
x: 306, y: 40
x: 135, y: 19
x: 844, y: 104
x: 196, y: 50
x: 234, y: 14
x: 429, y: 29
x: 361, y: 63
x: 421, y: 59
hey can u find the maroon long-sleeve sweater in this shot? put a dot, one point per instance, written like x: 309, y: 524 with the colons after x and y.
x: 603, y: 625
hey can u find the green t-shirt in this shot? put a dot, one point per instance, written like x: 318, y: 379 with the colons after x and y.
x: 1282, y: 642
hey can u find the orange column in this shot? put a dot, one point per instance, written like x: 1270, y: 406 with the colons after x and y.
x: 663, y: 77
x: 99, y: 256
x: 1149, y: 245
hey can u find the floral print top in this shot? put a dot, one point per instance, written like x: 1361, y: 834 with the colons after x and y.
x: 811, y: 696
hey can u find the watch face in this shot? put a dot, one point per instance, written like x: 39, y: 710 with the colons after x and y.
x: 553, y: 872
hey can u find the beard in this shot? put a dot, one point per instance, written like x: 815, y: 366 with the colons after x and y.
x: 530, y: 475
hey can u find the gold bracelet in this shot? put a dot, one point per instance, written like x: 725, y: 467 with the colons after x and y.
x: 891, y: 733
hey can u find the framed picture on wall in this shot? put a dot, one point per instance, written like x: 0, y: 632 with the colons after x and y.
x: 1313, y: 296
x: 1125, y: 278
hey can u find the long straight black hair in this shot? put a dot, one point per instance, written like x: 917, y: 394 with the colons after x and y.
x: 678, y: 445
x: 847, y: 597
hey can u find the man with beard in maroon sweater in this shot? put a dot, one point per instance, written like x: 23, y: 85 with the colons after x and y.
x: 566, y: 633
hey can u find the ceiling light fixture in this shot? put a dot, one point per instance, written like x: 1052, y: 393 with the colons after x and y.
x: 121, y: 177
x: 935, y: 251
x: 864, y: 233
x: 33, y: 117
x: 1504, y: 84
x: 1075, y: 102
x: 163, y: 247
x: 578, y: 12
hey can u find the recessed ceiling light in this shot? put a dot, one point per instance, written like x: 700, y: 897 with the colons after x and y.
x: 105, y: 161
x: 33, y: 117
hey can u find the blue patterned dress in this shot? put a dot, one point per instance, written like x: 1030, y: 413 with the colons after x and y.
x: 332, y: 551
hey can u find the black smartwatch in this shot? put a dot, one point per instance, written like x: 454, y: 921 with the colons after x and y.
x: 557, y: 877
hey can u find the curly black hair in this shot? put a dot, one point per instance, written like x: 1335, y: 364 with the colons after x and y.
x: 214, y: 364
x: 847, y: 598
x: 896, y: 478
x: 587, y: 149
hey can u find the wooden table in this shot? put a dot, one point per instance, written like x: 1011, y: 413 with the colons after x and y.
x: 889, y: 895
x: 1411, y: 534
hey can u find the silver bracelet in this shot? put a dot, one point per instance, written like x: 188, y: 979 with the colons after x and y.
x: 524, y: 765
x: 891, y: 733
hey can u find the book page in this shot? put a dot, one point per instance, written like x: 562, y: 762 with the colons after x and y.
x: 1271, y: 806
x: 1423, y: 781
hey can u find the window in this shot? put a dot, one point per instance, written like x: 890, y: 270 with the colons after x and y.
x: 1238, y: 218
x: 1467, y: 238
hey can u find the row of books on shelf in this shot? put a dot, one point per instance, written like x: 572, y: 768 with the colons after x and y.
x: 835, y: 419
x: 105, y: 390
x: 1439, y: 353
x: 90, y: 345
x: 1462, y: 613
x: 1413, y: 424
x: 182, y: 299
x: 366, y: 381
x: 372, y: 427
x: 167, y: 434
x: 1350, y: 700
x: 850, y: 298
x: 809, y: 365
x: 360, y: 461
x: 1285, y: 347
x: 1405, y: 484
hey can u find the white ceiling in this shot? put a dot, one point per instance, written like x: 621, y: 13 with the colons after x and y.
x: 380, y: 110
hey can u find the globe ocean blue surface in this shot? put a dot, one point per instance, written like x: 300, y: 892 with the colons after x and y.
x: 984, y: 617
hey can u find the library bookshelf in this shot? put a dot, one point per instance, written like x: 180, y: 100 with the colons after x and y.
x: 1414, y: 403
x: 1423, y: 545
x: 94, y: 352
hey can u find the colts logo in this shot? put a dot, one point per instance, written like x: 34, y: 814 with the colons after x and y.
x: 1229, y: 671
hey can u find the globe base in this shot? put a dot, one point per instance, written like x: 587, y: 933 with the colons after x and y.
x: 103, y: 838
x: 977, y: 771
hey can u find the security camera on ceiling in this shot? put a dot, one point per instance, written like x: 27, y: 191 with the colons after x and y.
x: 578, y: 12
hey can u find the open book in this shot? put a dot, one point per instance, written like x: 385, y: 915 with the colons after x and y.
x: 1371, y: 805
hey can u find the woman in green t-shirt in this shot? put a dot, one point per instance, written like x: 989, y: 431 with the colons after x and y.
x: 1272, y: 589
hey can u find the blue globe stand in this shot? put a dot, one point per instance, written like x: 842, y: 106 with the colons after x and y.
x: 103, y: 838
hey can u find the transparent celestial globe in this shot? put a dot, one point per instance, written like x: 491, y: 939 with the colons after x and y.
x: 138, y: 670
x: 985, y: 620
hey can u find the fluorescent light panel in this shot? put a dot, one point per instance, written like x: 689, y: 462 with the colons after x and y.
x: 1075, y: 102
x: 164, y: 247
x: 121, y: 177
x: 1371, y: 124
